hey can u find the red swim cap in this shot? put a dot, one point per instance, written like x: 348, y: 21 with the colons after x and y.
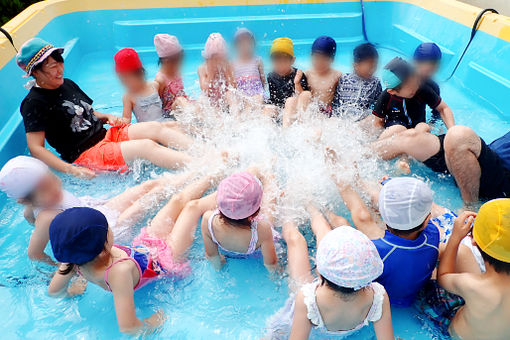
x: 127, y: 60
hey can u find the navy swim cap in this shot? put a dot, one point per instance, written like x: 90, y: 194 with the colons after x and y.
x: 364, y: 51
x: 396, y: 72
x: 78, y: 235
x: 324, y: 45
x: 428, y: 51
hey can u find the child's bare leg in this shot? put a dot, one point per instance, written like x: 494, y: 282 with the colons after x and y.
x: 160, y: 133
x: 392, y: 131
x: 304, y: 99
x: 183, y: 233
x: 270, y: 111
x: 137, y: 209
x: 153, y: 152
x: 320, y: 226
x: 162, y: 224
x: 336, y: 221
x: 297, y: 253
x: 289, y: 111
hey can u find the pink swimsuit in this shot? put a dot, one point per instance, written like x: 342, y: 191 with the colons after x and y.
x: 174, y: 88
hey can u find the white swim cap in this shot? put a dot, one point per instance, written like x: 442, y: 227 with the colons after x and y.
x: 21, y: 175
x: 405, y: 202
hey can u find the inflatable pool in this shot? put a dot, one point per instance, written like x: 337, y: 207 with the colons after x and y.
x: 229, y: 304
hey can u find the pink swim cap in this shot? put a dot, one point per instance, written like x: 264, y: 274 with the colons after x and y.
x: 239, y: 195
x: 167, y: 45
x: 215, y: 44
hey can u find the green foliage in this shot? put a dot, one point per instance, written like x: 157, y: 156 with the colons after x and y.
x: 10, y: 8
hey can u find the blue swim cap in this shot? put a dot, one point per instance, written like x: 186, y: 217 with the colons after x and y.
x: 78, y: 235
x: 396, y: 72
x: 364, y: 51
x: 428, y: 51
x: 324, y: 45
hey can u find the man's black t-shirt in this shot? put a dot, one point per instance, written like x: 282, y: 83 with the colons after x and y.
x: 407, y: 112
x: 282, y: 87
x: 66, y: 116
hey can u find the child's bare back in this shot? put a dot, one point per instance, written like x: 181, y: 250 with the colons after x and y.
x: 487, y: 310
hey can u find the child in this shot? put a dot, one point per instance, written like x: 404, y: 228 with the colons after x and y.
x: 415, y: 228
x: 142, y: 97
x: 427, y: 59
x: 171, y: 88
x: 400, y: 106
x: 248, y: 69
x: 357, y: 92
x: 216, y: 74
x: 486, y: 311
x: 242, y: 226
x: 281, y: 79
x: 32, y: 184
x: 344, y: 298
x: 322, y: 80
x: 82, y: 240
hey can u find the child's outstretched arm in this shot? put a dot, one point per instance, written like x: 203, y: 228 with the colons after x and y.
x: 211, y: 248
x: 120, y: 280
x: 384, y: 327
x: 127, y: 109
x: 265, y: 234
x: 446, y: 274
x: 301, y: 325
x: 40, y: 237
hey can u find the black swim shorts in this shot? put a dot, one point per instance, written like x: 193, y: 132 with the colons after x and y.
x: 495, y: 178
x: 437, y: 162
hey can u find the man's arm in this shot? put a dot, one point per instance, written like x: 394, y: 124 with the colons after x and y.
x: 35, y: 141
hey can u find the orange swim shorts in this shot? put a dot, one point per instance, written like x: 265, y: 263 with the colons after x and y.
x: 106, y: 155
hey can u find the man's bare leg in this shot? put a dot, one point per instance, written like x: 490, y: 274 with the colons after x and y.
x: 462, y: 148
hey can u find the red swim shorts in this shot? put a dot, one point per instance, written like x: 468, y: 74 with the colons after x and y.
x: 106, y: 155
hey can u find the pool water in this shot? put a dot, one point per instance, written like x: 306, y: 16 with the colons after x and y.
x: 235, y: 302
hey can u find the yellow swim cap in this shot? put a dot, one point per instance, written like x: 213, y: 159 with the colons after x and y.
x: 491, y: 230
x: 282, y: 45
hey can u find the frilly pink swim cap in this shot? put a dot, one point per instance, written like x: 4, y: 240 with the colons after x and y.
x: 239, y: 195
x: 215, y: 44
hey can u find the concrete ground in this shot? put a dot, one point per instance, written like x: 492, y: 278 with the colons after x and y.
x: 502, y: 6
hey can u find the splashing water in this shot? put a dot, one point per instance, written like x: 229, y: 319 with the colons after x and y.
x: 294, y: 154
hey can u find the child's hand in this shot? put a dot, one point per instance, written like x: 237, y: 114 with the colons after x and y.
x: 77, y: 287
x: 462, y: 225
x: 114, y: 120
x: 297, y: 78
x: 156, y: 320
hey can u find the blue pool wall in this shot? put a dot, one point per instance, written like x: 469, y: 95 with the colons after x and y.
x: 484, y: 72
